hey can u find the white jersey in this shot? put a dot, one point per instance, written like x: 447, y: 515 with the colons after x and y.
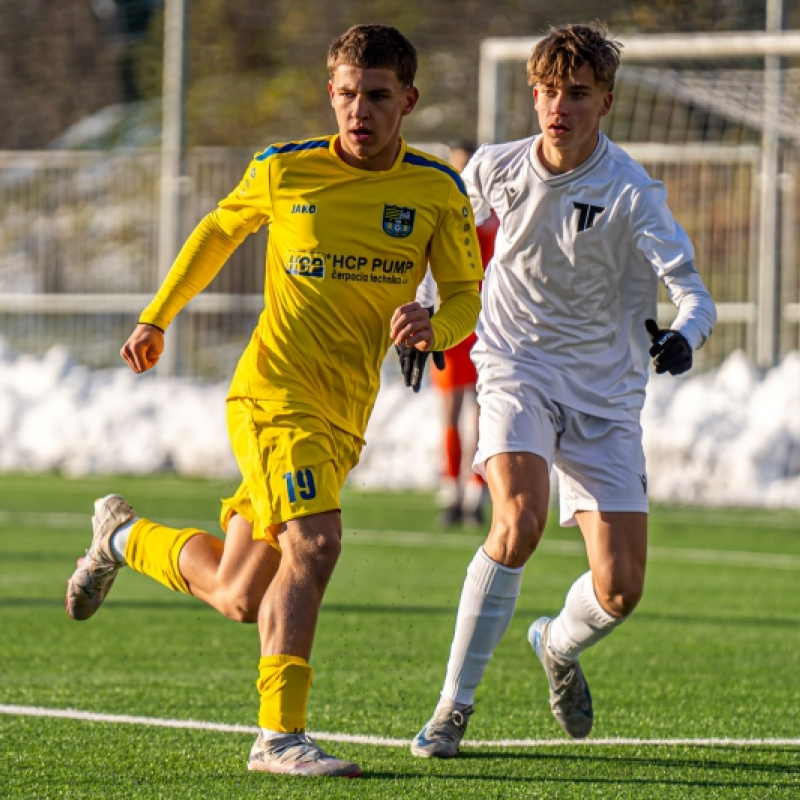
x: 575, y: 274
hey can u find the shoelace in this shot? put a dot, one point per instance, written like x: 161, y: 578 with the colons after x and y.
x: 450, y: 725
x: 100, y: 567
x: 300, y: 748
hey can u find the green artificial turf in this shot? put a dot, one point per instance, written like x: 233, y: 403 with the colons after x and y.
x: 712, y: 652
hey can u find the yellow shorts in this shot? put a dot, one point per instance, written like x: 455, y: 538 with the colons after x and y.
x: 293, y: 463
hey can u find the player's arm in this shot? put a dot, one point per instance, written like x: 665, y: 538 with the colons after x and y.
x: 666, y: 247
x: 200, y: 259
x: 412, y: 361
x: 417, y: 333
x: 455, y: 262
x: 411, y: 329
x: 457, y: 314
x: 672, y: 348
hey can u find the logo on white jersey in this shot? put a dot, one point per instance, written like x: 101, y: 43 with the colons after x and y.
x: 511, y: 195
x: 587, y: 215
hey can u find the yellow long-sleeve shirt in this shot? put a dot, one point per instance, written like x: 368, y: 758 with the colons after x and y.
x: 346, y: 247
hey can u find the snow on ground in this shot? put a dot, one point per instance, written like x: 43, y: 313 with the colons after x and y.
x: 730, y: 436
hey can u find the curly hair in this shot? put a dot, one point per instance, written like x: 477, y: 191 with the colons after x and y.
x: 375, y: 47
x: 565, y: 50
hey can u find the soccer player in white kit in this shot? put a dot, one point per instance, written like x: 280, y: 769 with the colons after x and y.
x: 564, y: 340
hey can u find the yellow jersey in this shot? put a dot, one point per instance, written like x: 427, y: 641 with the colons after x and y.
x: 346, y: 247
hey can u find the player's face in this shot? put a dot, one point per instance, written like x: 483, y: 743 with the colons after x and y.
x: 569, y: 113
x: 370, y: 105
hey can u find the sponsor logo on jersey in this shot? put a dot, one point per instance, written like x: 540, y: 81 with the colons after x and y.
x: 587, y: 215
x: 349, y: 267
x: 304, y: 208
x: 307, y: 265
x: 398, y: 221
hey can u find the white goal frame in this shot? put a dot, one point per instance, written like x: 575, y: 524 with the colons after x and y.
x: 650, y: 47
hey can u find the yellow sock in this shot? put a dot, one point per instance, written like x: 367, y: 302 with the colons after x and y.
x: 283, y: 684
x: 154, y: 549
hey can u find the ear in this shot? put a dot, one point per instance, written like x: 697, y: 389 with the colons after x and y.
x: 331, y: 92
x: 607, y: 101
x: 535, y: 96
x: 412, y: 98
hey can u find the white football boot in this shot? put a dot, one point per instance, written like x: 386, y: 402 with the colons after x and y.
x: 570, y: 700
x: 97, y: 570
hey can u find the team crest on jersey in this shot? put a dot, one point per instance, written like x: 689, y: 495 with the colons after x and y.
x: 398, y: 221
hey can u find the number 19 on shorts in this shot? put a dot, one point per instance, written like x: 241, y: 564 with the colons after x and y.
x: 300, y: 483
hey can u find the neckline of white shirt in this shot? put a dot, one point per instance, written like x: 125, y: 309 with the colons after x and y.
x: 566, y: 177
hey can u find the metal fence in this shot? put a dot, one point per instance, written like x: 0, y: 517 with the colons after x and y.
x: 79, y: 236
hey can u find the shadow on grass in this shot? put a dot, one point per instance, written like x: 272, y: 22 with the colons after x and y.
x: 668, y: 771
x: 171, y: 602
x: 668, y: 761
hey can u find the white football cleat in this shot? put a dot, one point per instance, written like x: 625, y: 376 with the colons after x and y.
x: 97, y: 570
x: 570, y: 700
x: 443, y: 732
x: 297, y: 754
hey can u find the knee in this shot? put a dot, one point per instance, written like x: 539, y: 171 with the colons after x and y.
x: 515, y: 534
x: 620, y: 600
x: 239, y: 607
x: 317, y: 555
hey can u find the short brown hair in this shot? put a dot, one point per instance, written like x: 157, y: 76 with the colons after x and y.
x: 375, y: 47
x: 565, y: 50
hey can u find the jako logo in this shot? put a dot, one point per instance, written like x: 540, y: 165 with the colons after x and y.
x: 302, y: 208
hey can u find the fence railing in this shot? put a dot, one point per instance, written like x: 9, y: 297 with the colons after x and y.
x: 79, y: 237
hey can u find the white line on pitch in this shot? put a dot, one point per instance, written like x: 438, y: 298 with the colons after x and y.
x: 188, y: 724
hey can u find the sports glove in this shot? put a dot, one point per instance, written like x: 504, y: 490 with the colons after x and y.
x: 671, y: 351
x: 412, y: 362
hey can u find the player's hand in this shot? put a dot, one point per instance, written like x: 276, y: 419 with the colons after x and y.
x: 671, y: 351
x: 412, y: 364
x: 143, y: 348
x: 413, y: 337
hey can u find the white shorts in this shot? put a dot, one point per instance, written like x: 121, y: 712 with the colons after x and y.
x: 599, y: 462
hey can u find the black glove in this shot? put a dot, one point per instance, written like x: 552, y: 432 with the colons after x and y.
x: 412, y: 362
x: 672, y: 352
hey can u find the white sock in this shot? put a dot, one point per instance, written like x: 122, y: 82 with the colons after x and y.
x: 582, y: 622
x: 267, y: 734
x: 119, y: 539
x: 487, y: 604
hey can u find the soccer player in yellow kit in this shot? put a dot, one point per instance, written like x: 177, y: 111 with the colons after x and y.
x: 354, y: 219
